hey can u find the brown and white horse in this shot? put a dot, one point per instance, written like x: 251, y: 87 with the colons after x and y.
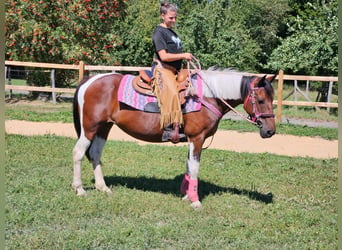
x: 96, y: 108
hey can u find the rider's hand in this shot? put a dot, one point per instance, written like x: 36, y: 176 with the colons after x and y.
x: 188, y: 56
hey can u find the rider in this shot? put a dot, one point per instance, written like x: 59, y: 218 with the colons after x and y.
x: 168, y: 50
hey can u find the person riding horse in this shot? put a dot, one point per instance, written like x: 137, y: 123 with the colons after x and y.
x: 168, y: 51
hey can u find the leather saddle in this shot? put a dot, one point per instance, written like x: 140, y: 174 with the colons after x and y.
x: 143, y: 83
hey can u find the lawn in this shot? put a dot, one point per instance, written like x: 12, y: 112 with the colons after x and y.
x: 250, y: 201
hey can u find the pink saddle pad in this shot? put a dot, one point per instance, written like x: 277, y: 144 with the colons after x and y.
x: 129, y: 96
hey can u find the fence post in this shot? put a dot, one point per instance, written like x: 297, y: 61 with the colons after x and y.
x: 81, y: 71
x: 280, y: 95
x: 52, y: 79
x: 329, y: 94
x: 9, y: 82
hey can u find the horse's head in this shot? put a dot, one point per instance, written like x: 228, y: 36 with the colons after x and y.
x: 258, y: 104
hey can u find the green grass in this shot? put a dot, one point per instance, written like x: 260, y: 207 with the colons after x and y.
x: 18, y: 82
x: 250, y: 201
x: 310, y: 113
x: 297, y: 130
x: 39, y: 111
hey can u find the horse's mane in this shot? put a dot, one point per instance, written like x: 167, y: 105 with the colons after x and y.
x: 222, y: 83
x: 229, y: 70
x: 229, y: 83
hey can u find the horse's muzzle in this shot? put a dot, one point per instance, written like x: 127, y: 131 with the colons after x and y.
x: 266, y: 133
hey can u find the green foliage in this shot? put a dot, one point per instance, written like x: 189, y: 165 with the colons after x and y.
x: 249, y: 35
x: 238, y: 34
x: 312, y: 46
x: 262, y: 20
x: 62, y: 31
x: 206, y: 33
x: 135, y: 33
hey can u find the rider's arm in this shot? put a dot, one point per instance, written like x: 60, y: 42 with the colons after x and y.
x: 170, y: 57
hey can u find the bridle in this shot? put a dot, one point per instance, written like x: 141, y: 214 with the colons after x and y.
x: 256, y: 115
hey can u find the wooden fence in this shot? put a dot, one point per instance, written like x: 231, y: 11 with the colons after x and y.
x: 81, y: 68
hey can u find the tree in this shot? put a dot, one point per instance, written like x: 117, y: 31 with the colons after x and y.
x: 135, y: 33
x: 311, y: 48
x: 62, y: 31
x: 255, y: 35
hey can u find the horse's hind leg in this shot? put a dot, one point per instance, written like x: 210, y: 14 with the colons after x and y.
x: 95, y: 152
x: 78, y: 154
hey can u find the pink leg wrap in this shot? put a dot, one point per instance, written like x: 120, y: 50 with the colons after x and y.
x: 185, y: 184
x: 192, y: 190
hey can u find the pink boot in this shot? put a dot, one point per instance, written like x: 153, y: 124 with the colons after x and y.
x: 185, y: 184
x: 193, y: 190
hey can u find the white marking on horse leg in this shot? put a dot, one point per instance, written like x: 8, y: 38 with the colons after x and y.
x: 95, y: 153
x: 192, y: 163
x: 99, y: 180
x: 78, y: 154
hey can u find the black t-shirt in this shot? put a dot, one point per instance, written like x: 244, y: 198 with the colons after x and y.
x: 167, y: 39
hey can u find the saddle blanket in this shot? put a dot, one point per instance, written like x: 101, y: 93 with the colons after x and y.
x: 129, y: 96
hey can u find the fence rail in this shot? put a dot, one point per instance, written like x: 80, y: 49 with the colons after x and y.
x: 40, y: 89
x: 81, y: 68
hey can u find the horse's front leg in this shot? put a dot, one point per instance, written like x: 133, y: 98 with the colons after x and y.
x: 189, y: 185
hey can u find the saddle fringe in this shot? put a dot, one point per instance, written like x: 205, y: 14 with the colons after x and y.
x: 170, y: 118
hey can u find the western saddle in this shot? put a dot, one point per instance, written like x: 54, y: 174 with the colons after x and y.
x: 143, y: 83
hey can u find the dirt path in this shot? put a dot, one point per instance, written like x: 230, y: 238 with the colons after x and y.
x: 227, y: 140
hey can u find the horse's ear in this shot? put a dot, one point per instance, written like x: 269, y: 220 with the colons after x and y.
x: 271, y: 78
x: 261, y: 82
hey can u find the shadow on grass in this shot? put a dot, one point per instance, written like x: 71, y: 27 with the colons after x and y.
x: 172, y: 186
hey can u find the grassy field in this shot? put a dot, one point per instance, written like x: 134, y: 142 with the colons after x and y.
x: 250, y: 201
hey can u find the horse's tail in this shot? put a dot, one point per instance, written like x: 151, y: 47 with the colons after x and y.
x: 76, y: 113
x: 75, y: 110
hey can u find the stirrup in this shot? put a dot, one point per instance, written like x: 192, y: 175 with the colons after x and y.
x: 169, y: 135
x: 175, y: 133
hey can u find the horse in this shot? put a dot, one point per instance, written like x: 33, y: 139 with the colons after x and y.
x: 96, y: 107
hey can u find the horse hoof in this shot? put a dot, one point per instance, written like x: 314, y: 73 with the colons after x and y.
x: 104, y: 189
x: 196, y: 205
x: 109, y: 192
x: 81, y: 192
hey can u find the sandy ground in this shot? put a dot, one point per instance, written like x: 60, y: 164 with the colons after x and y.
x: 227, y: 140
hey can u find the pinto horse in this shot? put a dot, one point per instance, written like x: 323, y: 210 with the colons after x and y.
x: 96, y: 108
